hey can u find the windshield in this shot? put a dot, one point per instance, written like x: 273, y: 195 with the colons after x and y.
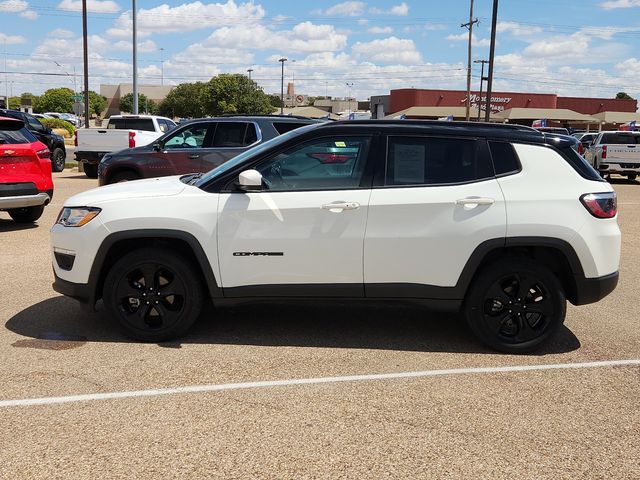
x: 244, y: 156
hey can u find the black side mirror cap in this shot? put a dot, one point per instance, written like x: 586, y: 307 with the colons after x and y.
x: 157, y: 146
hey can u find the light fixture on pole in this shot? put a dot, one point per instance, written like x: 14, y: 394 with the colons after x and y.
x: 135, y: 59
x: 282, y: 60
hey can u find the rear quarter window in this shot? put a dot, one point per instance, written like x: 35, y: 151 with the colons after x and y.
x: 505, y: 159
x: 284, y: 127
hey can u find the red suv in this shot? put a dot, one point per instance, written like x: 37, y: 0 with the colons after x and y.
x: 26, y: 185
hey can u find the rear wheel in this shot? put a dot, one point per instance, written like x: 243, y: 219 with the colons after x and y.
x: 26, y: 214
x: 515, y: 305
x: 91, y: 170
x: 58, y: 158
x: 155, y: 294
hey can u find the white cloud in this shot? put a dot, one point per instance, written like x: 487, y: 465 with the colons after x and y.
x: 434, y: 26
x: 517, y: 29
x: 389, y: 50
x: 610, y: 5
x: 188, y: 17
x: 377, y: 30
x: 350, y: 9
x: 401, y: 10
x: 11, y: 39
x: 304, y: 37
x: 483, y: 42
x: 13, y: 6
x: 97, y: 6
x: 29, y: 14
x: 145, y: 46
x: 61, y: 33
x: 558, y: 47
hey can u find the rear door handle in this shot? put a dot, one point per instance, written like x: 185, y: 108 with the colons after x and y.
x: 194, y: 156
x: 337, y: 207
x: 469, y: 201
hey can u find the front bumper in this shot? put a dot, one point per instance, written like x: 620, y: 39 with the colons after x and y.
x: 591, y: 290
x: 22, y: 201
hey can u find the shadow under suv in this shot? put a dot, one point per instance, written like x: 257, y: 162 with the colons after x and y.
x: 195, y: 146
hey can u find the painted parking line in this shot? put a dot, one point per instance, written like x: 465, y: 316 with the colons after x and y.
x: 311, y: 381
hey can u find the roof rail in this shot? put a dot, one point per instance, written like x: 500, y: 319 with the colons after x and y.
x: 298, y: 117
x: 443, y: 123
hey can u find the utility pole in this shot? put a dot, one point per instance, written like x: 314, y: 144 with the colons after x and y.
x: 282, y: 60
x: 492, y: 52
x: 135, y: 60
x: 161, y: 66
x: 349, y: 85
x: 469, y: 26
x: 6, y: 77
x: 249, y: 70
x: 482, y: 78
x: 86, y: 63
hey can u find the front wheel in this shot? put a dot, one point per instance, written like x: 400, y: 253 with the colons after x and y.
x: 91, y: 170
x: 58, y: 158
x: 154, y: 294
x: 632, y: 176
x: 515, y: 305
x: 26, y: 214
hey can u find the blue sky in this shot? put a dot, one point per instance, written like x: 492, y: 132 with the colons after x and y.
x: 586, y: 48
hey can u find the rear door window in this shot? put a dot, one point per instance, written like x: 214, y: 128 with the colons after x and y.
x: 435, y: 161
x: 234, y: 134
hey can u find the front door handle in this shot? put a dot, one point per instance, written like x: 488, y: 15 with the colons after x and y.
x: 193, y: 156
x: 474, y: 201
x: 337, y: 207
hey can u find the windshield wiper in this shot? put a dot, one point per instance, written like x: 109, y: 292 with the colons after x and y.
x: 194, y: 177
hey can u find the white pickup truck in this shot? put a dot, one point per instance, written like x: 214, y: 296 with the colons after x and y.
x: 615, y: 152
x: 121, y: 131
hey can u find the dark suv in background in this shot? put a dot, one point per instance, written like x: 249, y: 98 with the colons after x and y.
x: 196, y: 146
x: 55, y: 143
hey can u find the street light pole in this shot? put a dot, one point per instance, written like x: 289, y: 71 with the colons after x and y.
x: 86, y: 63
x: 6, y: 77
x: 492, y: 52
x: 482, y: 79
x: 249, y: 70
x: 135, y: 59
x: 161, y: 66
x: 282, y: 60
x: 349, y: 85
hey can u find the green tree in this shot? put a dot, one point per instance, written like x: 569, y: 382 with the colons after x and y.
x: 14, y: 103
x: 235, y: 93
x: 126, y: 103
x: 274, y: 100
x: 187, y: 100
x: 623, y: 96
x: 55, y: 100
x: 97, y: 103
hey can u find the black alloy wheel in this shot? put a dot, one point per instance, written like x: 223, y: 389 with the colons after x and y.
x: 154, y: 293
x: 515, y: 305
x: 58, y: 158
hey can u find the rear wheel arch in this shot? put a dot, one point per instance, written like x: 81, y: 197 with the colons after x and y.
x: 120, y: 243
x: 556, y: 254
x: 120, y: 172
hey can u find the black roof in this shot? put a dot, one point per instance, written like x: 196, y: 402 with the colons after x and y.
x: 497, y: 131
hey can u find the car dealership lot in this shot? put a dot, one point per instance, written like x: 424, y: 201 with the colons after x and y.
x: 518, y: 424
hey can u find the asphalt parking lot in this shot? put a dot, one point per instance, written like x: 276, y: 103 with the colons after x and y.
x: 497, y: 423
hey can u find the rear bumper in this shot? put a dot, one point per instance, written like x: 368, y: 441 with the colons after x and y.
x: 89, y: 157
x: 22, y: 201
x: 621, y: 167
x: 591, y: 290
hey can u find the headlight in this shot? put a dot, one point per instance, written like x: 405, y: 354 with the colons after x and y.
x: 76, y: 217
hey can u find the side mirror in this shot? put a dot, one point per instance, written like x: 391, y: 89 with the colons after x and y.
x: 158, y: 146
x: 250, y: 181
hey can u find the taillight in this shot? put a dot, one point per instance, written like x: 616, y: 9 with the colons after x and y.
x: 604, y: 151
x: 132, y: 139
x: 330, y: 157
x: 75, y: 138
x: 601, y: 205
x: 44, y: 154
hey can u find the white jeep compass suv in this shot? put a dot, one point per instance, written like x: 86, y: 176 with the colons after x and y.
x: 499, y: 221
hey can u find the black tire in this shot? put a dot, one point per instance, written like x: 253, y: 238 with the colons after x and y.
x: 534, y: 314
x: 632, y: 177
x: 125, y: 176
x: 26, y: 214
x: 144, y: 276
x: 58, y: 157
x: 91, y: 170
